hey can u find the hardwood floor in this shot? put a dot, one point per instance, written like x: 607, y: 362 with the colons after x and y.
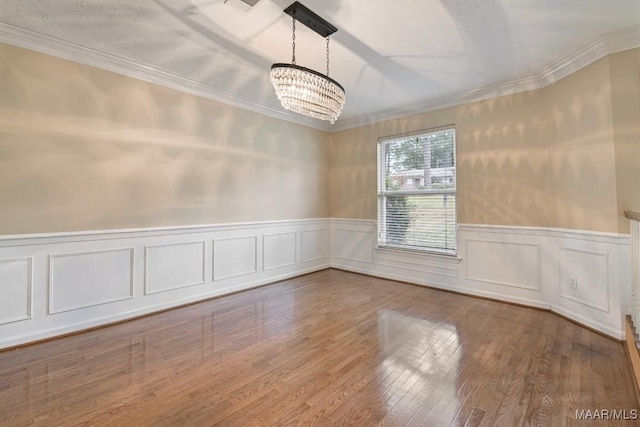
x: 327, y: 348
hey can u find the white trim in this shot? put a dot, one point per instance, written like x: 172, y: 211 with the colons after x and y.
x: 618, y: 41
x: 53, y: 257
x: 231, y: 276
x: 370, y: 252
x: 321, y: 230
x: 295, y: 251
x: 470, y: 292
x: 367, y: 222
x: 497, y: 282
x: 605, y: 255
x: 418, y: 267
x: 615, y: 238
x: 439, y: 256
x: 147, y: 290
x: 635, y: 273
x: 96, y: 235
x: 29, y: 307
x: 625, y: 39
x: 54, y: 46
x: 585, y: 321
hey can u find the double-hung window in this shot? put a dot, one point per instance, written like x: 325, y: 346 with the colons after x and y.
x: 417, y: 191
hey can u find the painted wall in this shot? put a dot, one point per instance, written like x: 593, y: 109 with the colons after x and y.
x: 82, y: 149
x: 582, y: 179
x: 86, y: 149
x: 541, y: 158
x: 625, y: 85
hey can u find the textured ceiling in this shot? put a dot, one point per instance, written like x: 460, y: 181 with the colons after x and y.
x: 391, y: 56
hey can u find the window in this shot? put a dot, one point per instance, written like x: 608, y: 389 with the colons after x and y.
x: 417, y: 191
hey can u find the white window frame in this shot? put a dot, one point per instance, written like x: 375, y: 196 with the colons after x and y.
x: 382, y: 242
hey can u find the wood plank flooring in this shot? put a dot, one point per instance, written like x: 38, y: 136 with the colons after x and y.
x: 329, y: 348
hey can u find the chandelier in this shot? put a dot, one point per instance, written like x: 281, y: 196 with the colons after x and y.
x: 300, y: 89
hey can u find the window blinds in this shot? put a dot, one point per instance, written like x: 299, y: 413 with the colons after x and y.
x: 417, y: 192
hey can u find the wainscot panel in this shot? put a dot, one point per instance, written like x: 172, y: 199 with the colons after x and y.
x: 234, y: 257
x: 84, y: 279
x: 582, y: 275
x: 15, y: 287
x: 278, y: 250
x: 314, y: 245
x: 173, y: 266
x: 53, y: 284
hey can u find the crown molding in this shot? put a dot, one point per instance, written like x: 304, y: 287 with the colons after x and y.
x: 625, y: 39
x: 53, y: 46
x: 618, y: 41
x: 628, y: 38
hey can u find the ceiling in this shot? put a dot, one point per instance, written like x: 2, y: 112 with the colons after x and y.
x: 392, y: 57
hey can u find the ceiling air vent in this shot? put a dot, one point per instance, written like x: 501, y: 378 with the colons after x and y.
x: 243, y: 5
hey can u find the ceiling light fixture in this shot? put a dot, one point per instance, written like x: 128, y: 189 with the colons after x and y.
x: 300, y: 89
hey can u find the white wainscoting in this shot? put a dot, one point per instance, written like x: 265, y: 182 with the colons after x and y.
x: 15, y: 287
x: 353, y: 244
x: 526, y: 265
x: 278, y: 250
x: 59, y: 283
x: 173, y: 266
x: 235, y: 257
x: 521, y: 263
x: 314, y: 245
x: 84, y: 279
x: 635, y: 274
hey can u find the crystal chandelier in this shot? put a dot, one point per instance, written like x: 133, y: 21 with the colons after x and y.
x: 300, y: 89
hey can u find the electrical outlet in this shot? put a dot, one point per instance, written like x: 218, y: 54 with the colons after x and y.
x: 574, y: 282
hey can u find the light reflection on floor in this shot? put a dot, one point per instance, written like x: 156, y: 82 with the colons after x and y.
x: 420, y: 365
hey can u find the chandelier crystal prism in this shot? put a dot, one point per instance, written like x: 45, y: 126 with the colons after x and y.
x: 303, y: 90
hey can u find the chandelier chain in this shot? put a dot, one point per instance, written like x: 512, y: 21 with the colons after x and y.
x: 293, y: 43
x: 327, y: 56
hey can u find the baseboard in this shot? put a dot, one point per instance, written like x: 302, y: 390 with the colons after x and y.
x: 589, y: 323
x: 523, y: 302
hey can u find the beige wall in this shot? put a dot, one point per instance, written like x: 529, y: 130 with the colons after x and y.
x: 82, y: 148
x: 85, y: 149
x: 625, y: 83
x: 582, y: 180
x: 539, y: 158
x: 502, y: 169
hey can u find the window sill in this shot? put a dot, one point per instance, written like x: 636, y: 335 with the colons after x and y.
x: 441, y: 256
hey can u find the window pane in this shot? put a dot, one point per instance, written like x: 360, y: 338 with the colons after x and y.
x: 426, y: 221
x: 419, y: 165
x: 422, y: 162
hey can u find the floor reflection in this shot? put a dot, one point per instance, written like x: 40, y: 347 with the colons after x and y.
x: 329, y: 348
x: 420, y: 365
